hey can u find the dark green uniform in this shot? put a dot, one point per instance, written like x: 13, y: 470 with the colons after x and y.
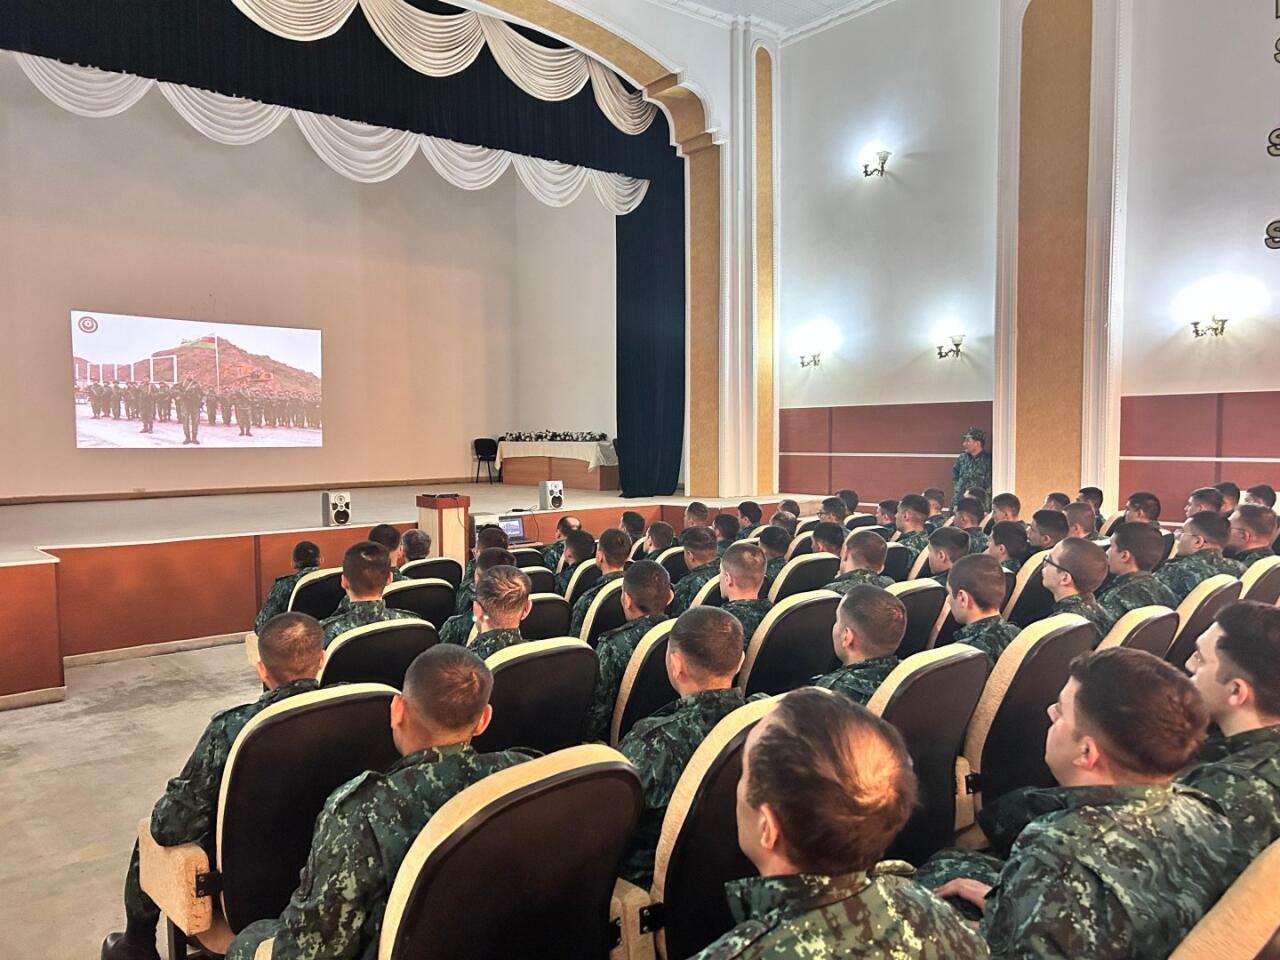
x: 847, y: 581
x: 934, y: 522
x: 358, y: 613
x: 552, y: 553
x: 851, y: 917
x: 466, y: 594
x: 189, y: 807
x: 613, y: 652
x: 1122, y: 872
x: 1013, y: 564
x: 690, y: 584
x: 969, y: 472
x: 722, y: 546
x: 1084, y: 605
x: 772, y: 568
x: 564, y: 576
x: 490, y: 642
x: 583, y: 603
x: 457, y: 628
x: 1183, y: 574
x: 277, y: 601
x: 915, y: 541
x: 977, y: 539
x: 361, y: 837
x: 1245, y: 781
x: 1132, y: 590
x: 747, y: 532
x: 1249, y: 557
x: 941, y: 578
x: 660, y: 747
x: 992, y: 636
x: 858, y: 681
x: 749, y: 614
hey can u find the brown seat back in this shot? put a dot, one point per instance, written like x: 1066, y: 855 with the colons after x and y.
x: 376, y: 652
x: 646, y: 688
x: 318, y: 593
x: 549, y: 616
x: 1144, y: 628
x: 792, y: 644
x: 605, y: 612
x: 434, y: 568
x: 432, y: 600
x: 1197, y: 611
x: 810, y: 571
x: 541, y: 692
x: 924, y: 600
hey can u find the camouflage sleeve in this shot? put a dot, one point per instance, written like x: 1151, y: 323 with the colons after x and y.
x: 1247, y: 802
x: 186, y: 811
x: 646, y: 756
x: 609, y: 670
x: 275, y: 603
x: 580, y: 607
x: 735, y: 943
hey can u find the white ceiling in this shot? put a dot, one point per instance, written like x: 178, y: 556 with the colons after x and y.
x: 788, y: 16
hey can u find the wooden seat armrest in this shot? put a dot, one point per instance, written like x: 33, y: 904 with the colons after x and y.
x: 251, y: 648
x: 168, y: 876
x: 625, y: 909
x: 264, y: 950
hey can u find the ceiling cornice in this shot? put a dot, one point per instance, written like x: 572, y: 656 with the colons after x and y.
x: 854, y: 9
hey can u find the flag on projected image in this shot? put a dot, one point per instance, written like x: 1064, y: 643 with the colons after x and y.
x: 206, y: 343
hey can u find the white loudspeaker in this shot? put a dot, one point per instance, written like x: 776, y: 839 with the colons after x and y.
x: 550, y: 495
x: 335, y: 508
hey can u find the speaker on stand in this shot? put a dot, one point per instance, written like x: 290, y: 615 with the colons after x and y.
x: 335, y: 508
x: 550, y: 495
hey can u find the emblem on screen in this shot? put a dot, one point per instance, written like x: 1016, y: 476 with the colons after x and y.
x: 88, y: 325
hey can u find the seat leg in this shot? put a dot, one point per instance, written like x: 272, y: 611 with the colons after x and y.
x: 477, y: 469
x: 176, y: 941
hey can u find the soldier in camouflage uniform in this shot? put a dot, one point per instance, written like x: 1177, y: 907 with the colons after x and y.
x: 1072, y: 571
x: 700, y: 557
x: 741, y: 580
x: 369, y: 823
x: 975, y: 593
x: 750, y: 515
x: 458, y: 627
x: 486, y: 538
x: 1198, y: 554
x: 290, y: 658
x: 611, y: 558
x: 870, y: 624
x: 946, y: 546
x: 552, y: 553
x: 937, y: 500
x: 774, y: 541
x: 973, y: 467
x: 1236, y: 668
x: 820, y: 892
x: 1253, y: 530
x: 704, y: 654
x: 580, y: 546
x: 1082, y: 522
x: 366, y: 571
x: 646, y: 591
x: 189, y: 399
x: 502, y: 601
x: 306, y: 559
x: 913, y: 510
x: 1008, y: 544
x: 658, y: 539
x: 969, y: 514
x: 727, y: 529
x: 1133, y: 553
x: 147, y: 408
x: 388, y: 536
x: 861, y: 561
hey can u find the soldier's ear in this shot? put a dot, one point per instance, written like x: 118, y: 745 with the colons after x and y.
x: 397, y: 712
x: 1088, y: 755
x: 261, y: 668
x: 483, y: 723
x: 770, y: 830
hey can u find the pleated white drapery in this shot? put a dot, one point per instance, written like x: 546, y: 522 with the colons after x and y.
x: 358, y: 151
x: 440, y: 45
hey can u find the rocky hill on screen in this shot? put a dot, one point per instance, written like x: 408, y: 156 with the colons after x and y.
x: 237, y: 365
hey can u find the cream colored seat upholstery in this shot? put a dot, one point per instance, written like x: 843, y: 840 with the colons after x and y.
x: 1144, y: 628
x: 585, y: 576
x: 1261, y: 582
x: 801, y: 544
x: 810, y: 571
x: 1030, y: 600
x: 1197, y: 611
x: 605, y: 612
x: 432, y: 600
x: 672, y: 560
x: 708, y: 595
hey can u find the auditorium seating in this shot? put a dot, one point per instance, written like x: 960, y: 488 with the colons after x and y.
x: 685, y: 909
x: 926, y: 601
x: 930, y: 697
x: 1030, y: 600
x: 376, y: 652
x: 280, y: 771
x: 541, y: 692
x: 434, y: 568
x: 897, y: 562
x: 1243, y: 923
x: 541, y: 580
x: 920, y: 567
x: 1145, y: 628
x: 1111, y: 523
x: 804, y: 573
x: 887, y: 532
x: 605, y: 612
x: 549, y: 616
x: 432, y: 600
x: 645, y: 688
x: 318, y: 593
x: 792, y: 645
x: 527, y: 557
x: 856, y: 521
x: 585, y: 576
x: 708, y: 594
x: 1197, y: 611
x: 1170, y: 543
x: 801, y: 545
x: 806, y: 525
x: 637, y: 550
x: 505, y: 868
x: 672, y: 560
x: 1261, y: 582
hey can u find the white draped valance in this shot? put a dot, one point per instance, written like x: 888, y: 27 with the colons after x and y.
x: 359, y: 151
x: 440, y: 45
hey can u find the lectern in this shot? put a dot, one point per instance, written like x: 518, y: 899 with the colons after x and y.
x: 444, y: 516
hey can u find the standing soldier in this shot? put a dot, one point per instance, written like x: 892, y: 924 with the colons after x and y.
x: 117, y: 400
x: 95, y: 399
x: 164, y: 398
x: 147, y: 408
x: 189, y: 400
x: 257, y: 408
x: 973, y: 467
x: 243, y: 412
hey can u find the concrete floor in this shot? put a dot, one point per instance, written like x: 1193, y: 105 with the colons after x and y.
x: 77, y: 776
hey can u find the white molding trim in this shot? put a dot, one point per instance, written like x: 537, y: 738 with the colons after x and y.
x: 855, y: 9
x: 1143, y: 459
x: 32, y: 698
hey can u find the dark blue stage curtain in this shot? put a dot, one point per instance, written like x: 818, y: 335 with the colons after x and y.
x: 211, y: 45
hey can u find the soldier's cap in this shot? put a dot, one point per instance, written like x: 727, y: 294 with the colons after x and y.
x: 976, y: 433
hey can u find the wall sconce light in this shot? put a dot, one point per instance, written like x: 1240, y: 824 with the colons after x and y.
x: 953, y: 350
x: 871, y: 169
x: 1214, y: 328
x: 810, y: 360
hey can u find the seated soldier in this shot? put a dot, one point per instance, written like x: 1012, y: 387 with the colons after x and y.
x: 369, y: 823
x: 1230, y: 495
x: 946, y: 546
x: 828, y: 537
x: 937, y: 498
x: 850, y: 498
x: 1082, y: 522
x: 1262, y: 495
x: 697, y: 514
x: 366, y: 572
x: 1006, y: 506
x: 290, y: 657
x: 774, y: 541
x: 750, y: 516
x: 912, y: 511
x: 825, y: 787
x: 1009, y: 544
x: 553, y: 551
x: 1093, y: 497
x: 1055, y: 501
x: 1253, y: 530
x: 1203, y: 500
x: 1135, y: 550
x: 1120, y: 863
x: 633, y: 525
x: 646, y: 591
x: 1142, y: 507
x: 704, y: 654
x: 611, y: 559
x: 415, y: 544
x: 833, y: 510
x: 861, y: 561
x: 791, y: 506
x: 741, y: 578
x: 385, y: 535
x: 703, y: 562
x: 659, y: 538
x: 1236, y: 668
x: 306, y: 559
x: 580, y: 546
x: 1198, y: 548
x: 501, y: 603
x: 870, y: 624
x: 1073, y: 570
x: 727, y: 529
x: 887, y: 514
x: 981, y: 494
x: 785, y: 520
x: 975, y: 594
x: 968, y: 517
x: 1048, y: 528
x: 458, y: 627
x: 487, y: 538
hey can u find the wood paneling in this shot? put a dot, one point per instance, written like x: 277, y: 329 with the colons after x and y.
x: 804, y: 475
x: 1178, y: 425
x: 275, y: 551
x: 906, y: 427
x: 1251, y: 425
x: 530, y: 471
x: 525, y: 471
x: 804, y: 430
x: 30, y: 658
x: 884, y: 478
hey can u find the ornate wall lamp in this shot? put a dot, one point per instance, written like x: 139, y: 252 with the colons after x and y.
x: 1216, y: 327
x: 874, y: 170
x: 952, y: 351
x: 810, y: 360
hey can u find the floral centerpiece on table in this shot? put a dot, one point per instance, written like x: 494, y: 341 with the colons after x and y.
x: 579, y: 436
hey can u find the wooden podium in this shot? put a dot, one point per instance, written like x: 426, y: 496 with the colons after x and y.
x: 445, y: 518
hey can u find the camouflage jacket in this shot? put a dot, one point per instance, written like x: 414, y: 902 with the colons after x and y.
x: 613, y: 652
x: 457, y: 628
x: 189, y: 806
x: 942, y: 577
x: 361, y: 837
x: 915, y: 542
x: 660, y: 747
x: 749, y: 614
x: 1084, y: 605
x: 977, y: 539
x: 583, y: 603
x: 486, y: 644
x: 934, y: 522
x: 849, y: 917
x: 722, y: 546
x: 771, y: 570
x: 1119, y: 872
x: 466, y: 590
x: 969, y: 472
x: 552, y: 553
x: 690, y: 584
x: 564, y: 576
x: 1250, y: 557
x: 1246, y: 783
x: 992, y: 635
x: 847, y: 581
x: 1132, y: 590
x: 277, y: 601
x: 1013, y: 564
x: 858, y: 681
x: 1183, y: 574
x: 747, y: 532
x: 358, y: 613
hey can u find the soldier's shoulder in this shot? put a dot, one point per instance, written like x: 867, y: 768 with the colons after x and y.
x: 239, y: 713
x: 736, y: 942
x: 355, y: 791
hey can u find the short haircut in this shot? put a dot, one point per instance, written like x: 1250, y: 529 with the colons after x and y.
x: 888, y: 506
x: 289, y: 646
x: 1093, y: 496
x: 1146, y: 713
x: 869, y: 547
x: 775, y: 538
x: 916, y: 504
x: 1228, y: 490
x: 416, y: 543
x: 1258, y: 520
x: 838, y: 778
x: 850, y: 498
x: 1085, y: 561
x: 503, y: 591
x: 1210, y: 497
x: 970, y: 506
x: 581, y: 544
x: 978, y: 493
x: 1250, y: 648
x: 1051, y: 522
x: 633, y: 523
x: 615, y: 544
x: 698, y: 540
x: 1081, y: 514
x: 366, y: 565
x: 834, y: 506
x: 935, y: 496
x: 648, y: 585
x: 1143, y: 540
x: 1006, y: 501
x: 1011, y: 535
x: 877, y: 616
x: 662, y: 534
x: 491, y: 557
x: 710, y: 640
x: 745, y: 562
x: 727, y: 526
x: 447, y: 687
x: 952, y: 541
x: 1214, y: 527
x: 981, y: 576
x: 305, y: 554
x: 1147, y: 504
x: 491, y: 537
x: 387, y: 535
x: 791, y: 506
x: 750, y: 511
x: 1264, y: 492
x: 1061, y: 499
x: 698, y: 510
x: 830, y: 534
x: 785, y: 520
x: 566, y: 525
